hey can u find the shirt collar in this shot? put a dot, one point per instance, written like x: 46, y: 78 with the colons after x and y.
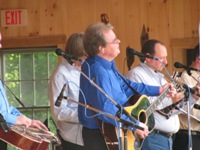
x: 103, y: 62
x: 150, y: 70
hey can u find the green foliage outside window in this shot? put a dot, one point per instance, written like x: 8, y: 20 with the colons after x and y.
x: 26, y: 75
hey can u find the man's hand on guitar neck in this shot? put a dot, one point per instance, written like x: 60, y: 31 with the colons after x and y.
x: 142, y: 133
x: 177, y: 97
x: 23, y: 120
x: 171, y: 92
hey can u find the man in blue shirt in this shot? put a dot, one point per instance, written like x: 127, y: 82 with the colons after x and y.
x: 102, y: 46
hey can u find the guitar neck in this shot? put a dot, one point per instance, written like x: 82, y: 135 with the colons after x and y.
x: 153, y: 106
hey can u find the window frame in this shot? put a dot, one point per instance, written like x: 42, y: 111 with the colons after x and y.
x: 33, y: 80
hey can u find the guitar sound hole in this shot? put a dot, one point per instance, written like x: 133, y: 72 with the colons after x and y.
x: 133, y: 99
x: 142, y: 117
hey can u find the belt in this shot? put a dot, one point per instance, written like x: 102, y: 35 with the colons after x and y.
x: 186, y: 132
x: 167, y: 135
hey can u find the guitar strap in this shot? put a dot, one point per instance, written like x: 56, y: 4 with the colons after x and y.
x: 136, y: 92
x: 136, y: 96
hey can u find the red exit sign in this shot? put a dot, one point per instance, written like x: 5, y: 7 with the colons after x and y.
x: 16, y: 17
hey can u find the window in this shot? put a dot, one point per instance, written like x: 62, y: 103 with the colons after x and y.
x: 25, y: 74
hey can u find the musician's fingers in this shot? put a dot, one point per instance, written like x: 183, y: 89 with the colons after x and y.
x: 142, y: 133
x: 28, y: 122
x: 23, y: 120
x: 43, y: 126
x: 172, y: 89
x: 172, y: 92
x: 177, y: 97
x: 35, y: 124
x: 38, y: 124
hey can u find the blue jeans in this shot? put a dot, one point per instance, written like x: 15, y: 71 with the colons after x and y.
x: 156, y: 141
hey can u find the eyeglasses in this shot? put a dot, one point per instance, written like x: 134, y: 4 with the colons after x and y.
x: 115, y: 41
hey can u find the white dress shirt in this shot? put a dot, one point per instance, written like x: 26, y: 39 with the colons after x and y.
x: 66, y: 116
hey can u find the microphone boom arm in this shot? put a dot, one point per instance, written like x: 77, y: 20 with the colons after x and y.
x: 106, y: 114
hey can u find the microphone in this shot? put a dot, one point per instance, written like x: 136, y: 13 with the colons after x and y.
x: 179, y: 65
x: 192, y: 90
x: 60, y: 97
x: 196, y: 106
x: 130, y: 59
x: 60, y: 52
x: 3, y: 124
x: 131, y: 51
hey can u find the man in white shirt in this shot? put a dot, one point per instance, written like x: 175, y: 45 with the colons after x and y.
x: 148, y: 72
x: 66, y: 115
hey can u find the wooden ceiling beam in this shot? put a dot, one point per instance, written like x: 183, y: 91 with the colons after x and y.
x: 34, y: 41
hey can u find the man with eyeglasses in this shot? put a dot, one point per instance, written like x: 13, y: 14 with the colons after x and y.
x: 102, y: 46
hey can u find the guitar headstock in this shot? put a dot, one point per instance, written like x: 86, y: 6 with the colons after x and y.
x: 105, y: 18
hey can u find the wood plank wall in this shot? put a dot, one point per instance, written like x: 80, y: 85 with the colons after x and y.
x: 171, y: 21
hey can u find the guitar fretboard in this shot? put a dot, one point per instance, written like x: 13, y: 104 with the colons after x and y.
x: 153, y: 106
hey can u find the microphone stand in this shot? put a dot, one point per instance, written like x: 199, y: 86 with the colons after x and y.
x: 188, y: 116
x: 100, y: 112
x: 110, y: 116
x: 188, y: 108
x: 191, y: 116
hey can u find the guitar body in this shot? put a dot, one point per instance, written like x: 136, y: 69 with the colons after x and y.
x: 142, y: 110
x: 138, y: 110
x: 18, y: 137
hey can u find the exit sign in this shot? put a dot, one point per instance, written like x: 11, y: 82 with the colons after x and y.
x: 16, y: 17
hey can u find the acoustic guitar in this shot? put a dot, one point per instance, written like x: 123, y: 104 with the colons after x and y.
x: 24, y: 138
x: 142, y: 110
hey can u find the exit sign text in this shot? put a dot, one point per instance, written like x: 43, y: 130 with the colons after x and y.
x: 17, y: 17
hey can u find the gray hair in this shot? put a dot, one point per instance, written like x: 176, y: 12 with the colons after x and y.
x: 94, y: 38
